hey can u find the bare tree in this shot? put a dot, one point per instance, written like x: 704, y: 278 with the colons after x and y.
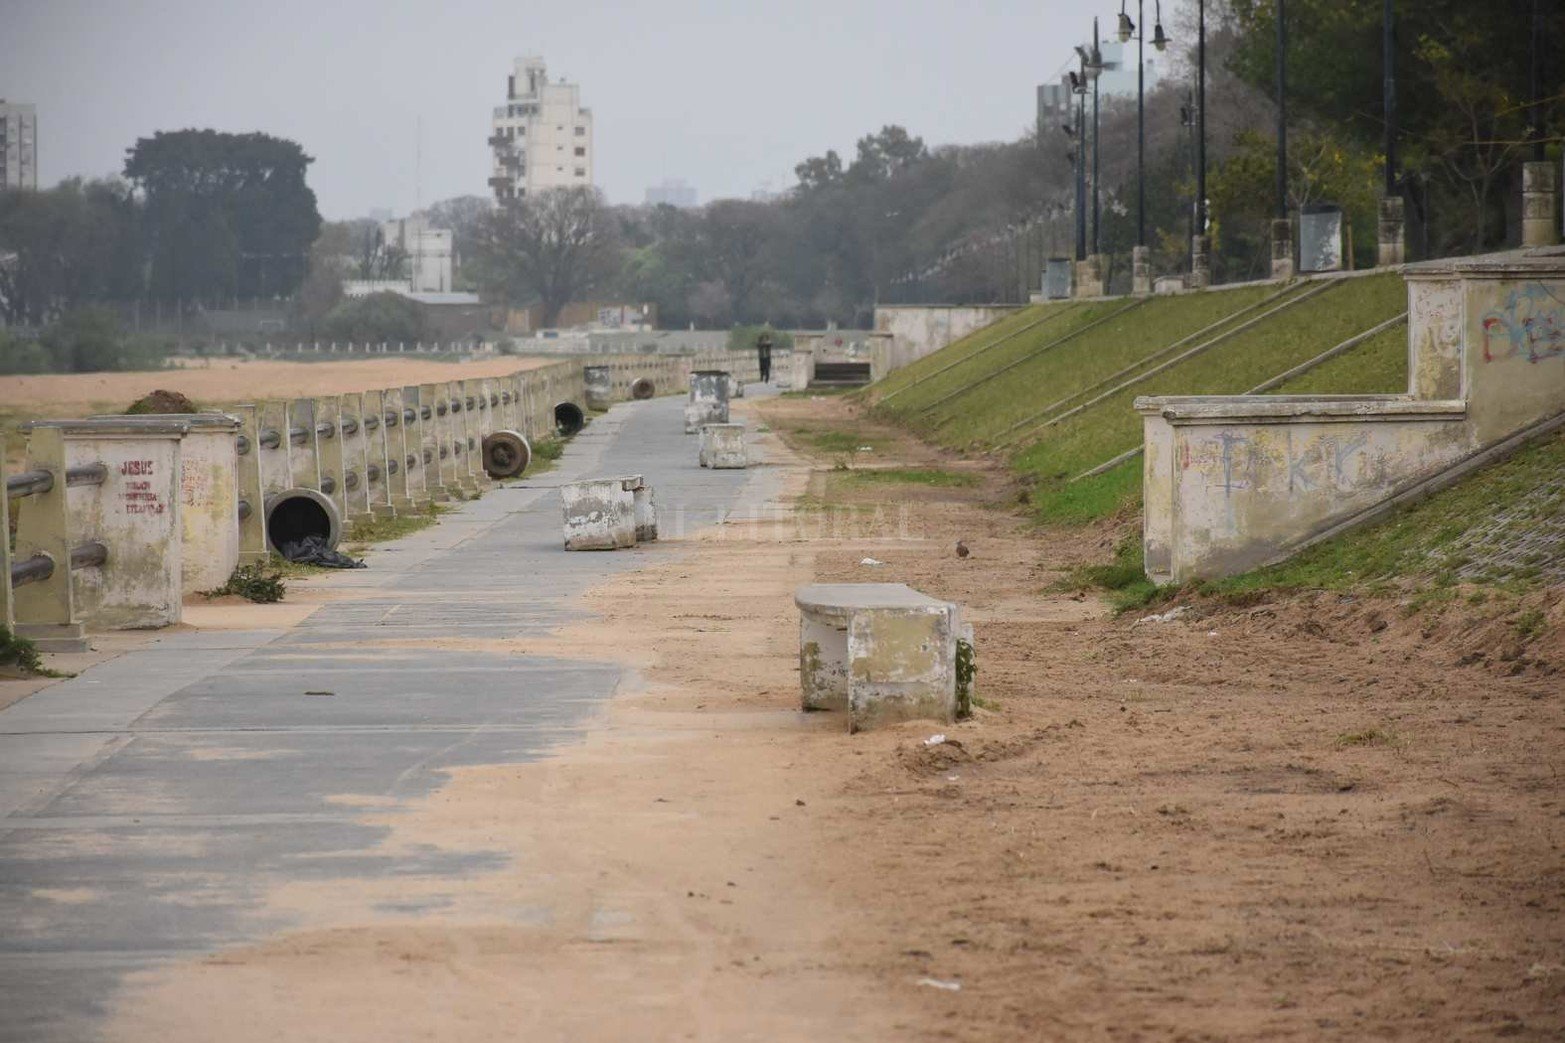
x: 553, y: 247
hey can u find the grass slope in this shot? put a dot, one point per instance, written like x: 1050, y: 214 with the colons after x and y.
x: 1111, y: 426
x: 1059, y: 358
x: 1455, y: 535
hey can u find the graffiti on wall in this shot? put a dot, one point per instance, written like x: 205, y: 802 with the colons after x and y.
x: 1234, y: 462
x: 1530, y: 324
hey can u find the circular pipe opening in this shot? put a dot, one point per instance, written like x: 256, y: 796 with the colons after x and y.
x: 569, y: 419
x: 506, y: 454
x: 294, y: 514
x: 641, y: 388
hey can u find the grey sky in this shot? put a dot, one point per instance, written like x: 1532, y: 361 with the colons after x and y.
x: 727, y: 96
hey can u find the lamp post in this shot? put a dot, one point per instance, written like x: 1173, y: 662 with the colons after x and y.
x: 1200, y: 257
x: 1540, y: 178
x: 1140, y: 262
x: 1090, y: 281
x: 1392, y: 243
x: 1078, y: 86
x: 1282, y: 234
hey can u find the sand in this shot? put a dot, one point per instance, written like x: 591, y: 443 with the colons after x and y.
x: 1295, y: 819
x: 212, y: 382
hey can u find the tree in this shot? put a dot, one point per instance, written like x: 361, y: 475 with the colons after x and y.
x: 376, y: 318
x: 226, y: 214
x: 65, y: 247
x: 553, y: 247
x: 463, y: 216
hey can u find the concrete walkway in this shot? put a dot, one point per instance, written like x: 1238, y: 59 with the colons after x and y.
x: 147, y: 804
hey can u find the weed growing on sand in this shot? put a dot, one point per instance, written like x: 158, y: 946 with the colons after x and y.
x: 19, y: 654
x: 1529, y: 624
x: 930, y: 476
x: 380, y: 530
x: 256, y: 583
x: 1369, y: 737
x: 1124, y: 578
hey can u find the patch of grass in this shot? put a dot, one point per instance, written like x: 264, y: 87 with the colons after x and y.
x: 1529, y: 624
x: 1111, y: 426
x: 256, y: 583
x: 1377, y: 366
x: 1418, y: 540
x: 930, y: 476
x: 1369, y: 737
x: 837, y: 441
x: 380, y: 530
x: 1079, y: 502
x: 1124, y: 578
x: 19, y: 655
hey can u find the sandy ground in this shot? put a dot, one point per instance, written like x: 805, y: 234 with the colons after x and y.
x: 217, y: 381
x: 1296, y: 819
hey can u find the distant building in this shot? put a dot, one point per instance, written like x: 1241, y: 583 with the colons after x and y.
x: 428, y: 252
x: 1119, y: 70
x: 673, y: 192
x: 1055, y: 102
x: 542, y: 137
x: 18, y: 146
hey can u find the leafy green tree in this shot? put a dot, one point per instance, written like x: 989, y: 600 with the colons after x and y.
x: 375, y: 318
x: 226, y: 214
x: 68, y: 246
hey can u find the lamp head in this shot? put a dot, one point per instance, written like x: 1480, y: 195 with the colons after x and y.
x: 1159, y: 38
x: 1126, y: 27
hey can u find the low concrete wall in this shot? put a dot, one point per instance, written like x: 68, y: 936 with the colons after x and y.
x: 1232, y: 482
x: 919, y: 329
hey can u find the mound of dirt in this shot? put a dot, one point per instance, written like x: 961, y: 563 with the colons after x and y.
x: 161, y: 402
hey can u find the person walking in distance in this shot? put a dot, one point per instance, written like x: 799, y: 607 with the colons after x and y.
x: 763, y: 350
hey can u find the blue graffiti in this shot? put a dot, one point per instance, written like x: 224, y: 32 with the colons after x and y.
x: 1530, y: 324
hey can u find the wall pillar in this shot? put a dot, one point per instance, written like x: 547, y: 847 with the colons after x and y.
x: 1392, y: 247
x: 1200, y: 262
x: 1282, y: 249
x: 1140, y: 270
x: 1540, y: 204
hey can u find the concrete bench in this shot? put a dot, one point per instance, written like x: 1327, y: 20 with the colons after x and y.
x: 722, y: 446
x: 708, y: 402
x: 881, y: 651
x: 608, y: 513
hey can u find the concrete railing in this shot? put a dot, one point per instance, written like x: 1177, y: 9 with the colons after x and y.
x: 1236, y: 481
x: 122, y: 517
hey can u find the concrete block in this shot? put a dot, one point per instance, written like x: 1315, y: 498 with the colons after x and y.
x: 134, y: 512
x: 881, y: 651
x: 644, y: 508
x: 600, y: 386
x: 599, y: 514
x: 252, y: 519
x: 209, y: 500
x: 722, y: 446
x: 901, y: 665
x: 708, y: 402
x: 735, y: 387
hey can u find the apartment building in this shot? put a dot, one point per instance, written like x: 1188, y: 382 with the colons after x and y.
x: 18, y: 146
x: 542, y: 137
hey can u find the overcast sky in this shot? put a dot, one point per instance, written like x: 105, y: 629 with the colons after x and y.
x: 727, y: 96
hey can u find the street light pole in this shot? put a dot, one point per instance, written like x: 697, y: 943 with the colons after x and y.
x: 1141, y: 264
x: 1282, y: 235
x: 1097, y: 58
x: 1200, y: 262
x: 1081, y: 170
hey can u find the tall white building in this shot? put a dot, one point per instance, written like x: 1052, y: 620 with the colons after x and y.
x: 18, y: 146
x: 542, y: 136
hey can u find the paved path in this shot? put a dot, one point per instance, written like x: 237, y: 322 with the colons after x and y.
x: 149, y: 803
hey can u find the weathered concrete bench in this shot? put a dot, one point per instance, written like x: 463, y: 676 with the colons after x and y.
x: 722, y: 446
x: 881, y: 651
x: 608, y: 513
x: 708, y: 402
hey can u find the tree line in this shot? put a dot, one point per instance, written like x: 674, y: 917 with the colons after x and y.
x: 206, y: 216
